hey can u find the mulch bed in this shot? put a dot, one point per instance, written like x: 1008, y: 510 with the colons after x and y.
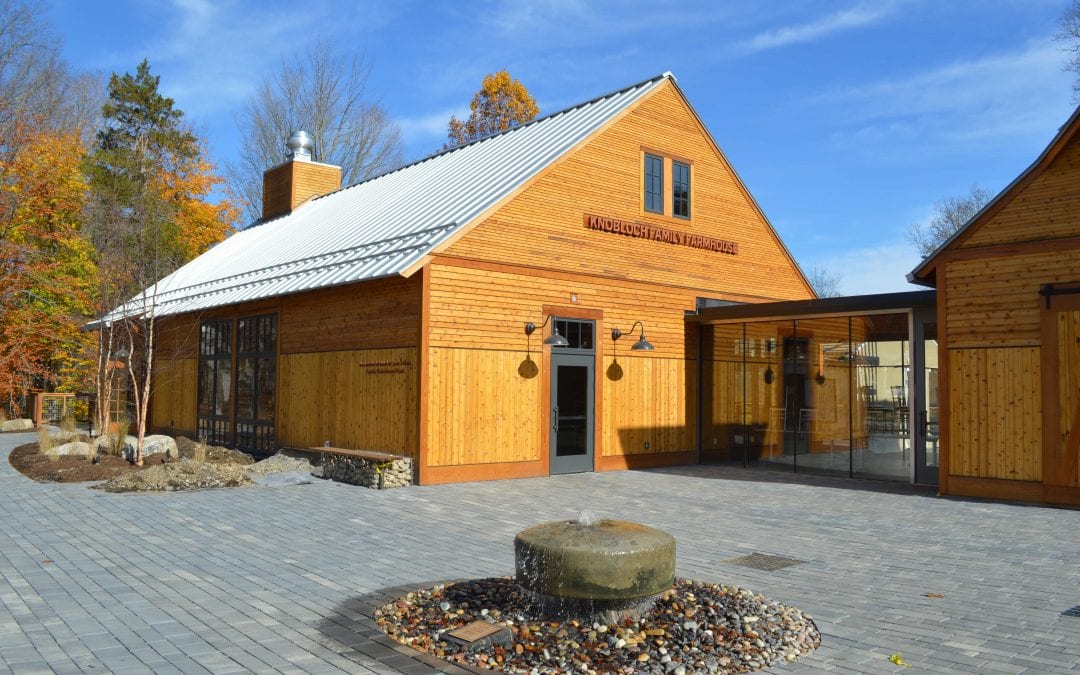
x: 71, y: 468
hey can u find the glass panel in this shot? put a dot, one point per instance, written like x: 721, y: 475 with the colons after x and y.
x: 265, y: 407
x: 578, y: 334
x: 882, y: 439
x: 823, y: 426
x: 930, y: 394
x: 222, y: 387
x: 725, y: 434
x: 766, y: 411
x: 245, y: 388
x: 573, y: 396
x: 680, y: 189
x: 654, y: 184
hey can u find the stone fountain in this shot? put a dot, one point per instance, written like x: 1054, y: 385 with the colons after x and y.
x: 602, y: 569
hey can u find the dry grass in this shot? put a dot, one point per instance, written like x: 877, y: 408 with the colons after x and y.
x: 3, y: 415
x: 116, y: 445
x: 199, y: 452
x: 47, y: 445
x: 67, y: 425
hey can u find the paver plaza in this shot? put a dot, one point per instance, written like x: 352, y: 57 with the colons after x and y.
x: 278, y: 579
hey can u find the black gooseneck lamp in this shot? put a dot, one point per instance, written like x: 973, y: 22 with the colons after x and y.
x: 554, y: 340
x: 642, y: 345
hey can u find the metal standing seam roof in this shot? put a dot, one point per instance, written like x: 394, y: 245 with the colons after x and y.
x: 382, y: 226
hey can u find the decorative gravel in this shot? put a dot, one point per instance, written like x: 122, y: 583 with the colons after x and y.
x: 280, y: 463
x: 182, y: 475
x: 694, y: 627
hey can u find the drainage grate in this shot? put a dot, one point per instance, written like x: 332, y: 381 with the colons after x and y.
x: 1075, y: 611
x: 762, y: 561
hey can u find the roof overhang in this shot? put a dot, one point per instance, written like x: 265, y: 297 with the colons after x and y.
x: 878, y: 303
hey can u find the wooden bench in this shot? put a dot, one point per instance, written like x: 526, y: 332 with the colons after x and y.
x: 367, y: 468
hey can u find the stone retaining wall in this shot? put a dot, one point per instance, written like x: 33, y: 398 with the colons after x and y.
x: 380, y: 475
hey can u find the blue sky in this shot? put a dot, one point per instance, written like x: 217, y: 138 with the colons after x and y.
x: 847, y: 120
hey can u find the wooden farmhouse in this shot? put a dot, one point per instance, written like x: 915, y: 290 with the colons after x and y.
x: 415, y: 313
x: 597, y: 290
x: 1008, y: 308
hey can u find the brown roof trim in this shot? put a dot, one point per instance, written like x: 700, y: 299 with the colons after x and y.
x: 923, y: 273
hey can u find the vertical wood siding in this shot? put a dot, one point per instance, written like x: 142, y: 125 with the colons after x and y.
x: 354, y: 399
x: 995, y: 420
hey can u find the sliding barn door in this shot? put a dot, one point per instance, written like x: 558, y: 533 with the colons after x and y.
x: 1061, y: 391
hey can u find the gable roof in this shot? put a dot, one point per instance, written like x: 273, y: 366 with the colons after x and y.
x: 382, y: 226
x: 925, y: 271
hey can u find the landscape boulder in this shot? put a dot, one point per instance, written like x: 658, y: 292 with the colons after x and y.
x: 17, y: 425
x: 75, y: 448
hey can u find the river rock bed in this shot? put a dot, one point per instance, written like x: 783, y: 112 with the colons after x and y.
x: 694, y: 627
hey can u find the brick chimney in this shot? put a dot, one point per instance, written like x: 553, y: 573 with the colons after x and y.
x: 288, y: 185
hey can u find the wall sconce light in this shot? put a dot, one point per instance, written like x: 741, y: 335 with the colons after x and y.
x: 769, y: 375
x: 642, y: 345
x: 554, y: 340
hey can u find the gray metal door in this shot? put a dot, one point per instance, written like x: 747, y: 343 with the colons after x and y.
x: 571, y: 412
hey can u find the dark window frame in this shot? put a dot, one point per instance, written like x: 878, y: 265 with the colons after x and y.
x: 215, y: 360
x: 678, y: 167
x: 579, y: 333
x: 653, y: 180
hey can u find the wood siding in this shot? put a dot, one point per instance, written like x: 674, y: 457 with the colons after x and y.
x: 488, y: 385
x: 362, y: 399
x: 173, y: 395
x: 543, y: 226
x: 995, y: 427
x: 1048, y: 208
x: 288, y: 185
x: 994, y: 300
x: 382, y: 313
x: 343, y: 326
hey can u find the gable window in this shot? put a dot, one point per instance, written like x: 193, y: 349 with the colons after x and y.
x: 680, y: 189
x: 654, y: 184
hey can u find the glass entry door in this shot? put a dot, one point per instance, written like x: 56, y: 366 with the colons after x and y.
x: 926, y: 431
x: 571, y: 435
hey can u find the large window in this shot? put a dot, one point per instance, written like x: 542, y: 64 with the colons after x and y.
x: 237, y: 383
x: 680, y: 189
x: 654, y: 184
x: 215, y: 381
x: 256, y: 347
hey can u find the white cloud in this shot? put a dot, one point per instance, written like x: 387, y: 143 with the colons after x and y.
x: 965, y: 102
x: 855, y: 17
x: 881, y: 268
x: 414, y: 129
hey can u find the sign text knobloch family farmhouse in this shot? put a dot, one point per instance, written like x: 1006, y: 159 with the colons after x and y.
x: 656, y: 233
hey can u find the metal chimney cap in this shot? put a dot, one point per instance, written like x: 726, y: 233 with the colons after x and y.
x: 300, y: 145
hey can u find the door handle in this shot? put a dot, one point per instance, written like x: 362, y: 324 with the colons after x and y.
x: 555, y: 418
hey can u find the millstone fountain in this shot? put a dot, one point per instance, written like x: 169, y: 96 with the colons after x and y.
x: 603, y: 569
x: 598, y: 596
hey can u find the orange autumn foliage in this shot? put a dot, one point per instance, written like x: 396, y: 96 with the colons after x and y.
x: 47, y: 268
x: 501, y: 103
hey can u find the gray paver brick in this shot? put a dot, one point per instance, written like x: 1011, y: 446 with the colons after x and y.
x: 282, y: 579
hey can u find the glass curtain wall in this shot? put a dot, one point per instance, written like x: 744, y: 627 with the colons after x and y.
x: 821, y: 395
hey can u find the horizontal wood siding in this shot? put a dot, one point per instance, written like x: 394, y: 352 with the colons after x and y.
x: 994, y: 301
x: 360, y: 399
x: 483, y: 407
x: 995, y: 416
x: 173, y: 395
x: 1047, y: 208
x: 373, y: 314
x: 543, y: 226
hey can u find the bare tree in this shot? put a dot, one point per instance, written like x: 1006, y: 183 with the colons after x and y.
x: 950, y: 214
x: 1070, y: 35
x: 37, y: 88
x: 325, y: 94
x: 824, y: 281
